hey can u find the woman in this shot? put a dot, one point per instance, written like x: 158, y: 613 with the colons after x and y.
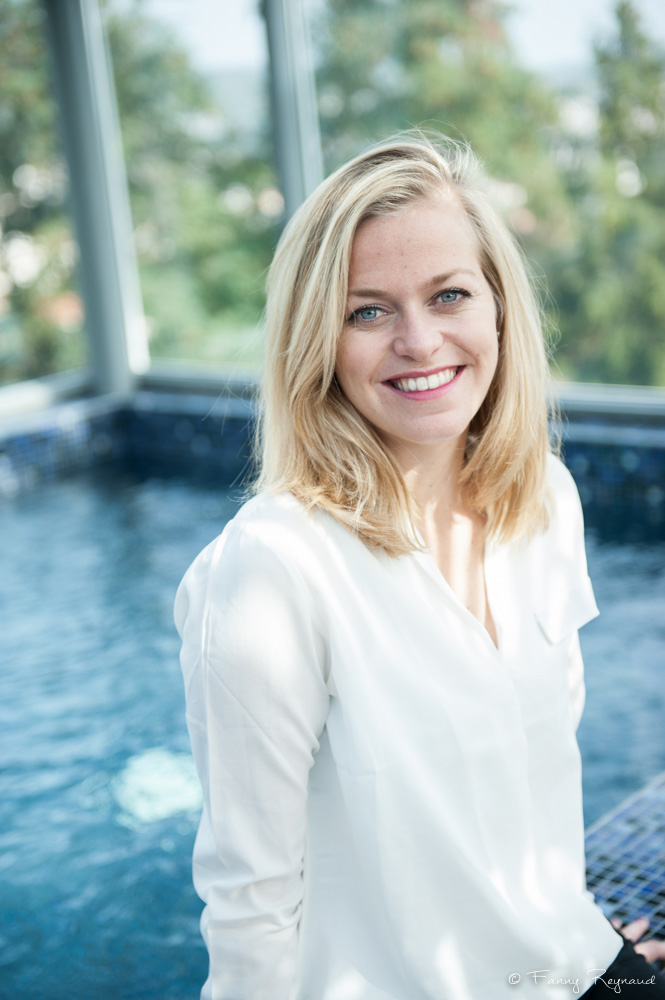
x: 380, y: 651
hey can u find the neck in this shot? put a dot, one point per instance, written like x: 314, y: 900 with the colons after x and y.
x: 432, y: 477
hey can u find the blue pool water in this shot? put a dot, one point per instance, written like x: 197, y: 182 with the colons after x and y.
x: 621, y: 736
x: 98, y: 799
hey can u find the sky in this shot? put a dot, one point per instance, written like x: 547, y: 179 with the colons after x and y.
x: 549, y: 35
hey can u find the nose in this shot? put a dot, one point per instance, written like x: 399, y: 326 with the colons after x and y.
x: 418, y: 335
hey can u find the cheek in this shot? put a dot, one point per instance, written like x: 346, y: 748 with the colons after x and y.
x: 486, y: 347
x: 341, y: 366
x: 349, y: 366
x: 492, y: 362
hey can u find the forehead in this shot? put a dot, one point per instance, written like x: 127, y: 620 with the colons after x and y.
x: 432, y: 231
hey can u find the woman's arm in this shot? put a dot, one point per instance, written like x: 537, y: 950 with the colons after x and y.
x: 568, y: 602
x: 576, y: 685
x: 253, y: 661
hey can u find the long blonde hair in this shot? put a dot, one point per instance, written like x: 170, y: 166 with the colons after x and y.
x: 312, y: 442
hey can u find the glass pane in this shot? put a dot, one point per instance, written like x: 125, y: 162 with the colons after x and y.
x: 573, y: 139
x: 41, y: 312
x: 192, y: 86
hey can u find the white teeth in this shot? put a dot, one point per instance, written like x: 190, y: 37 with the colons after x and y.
x: 423, y: 382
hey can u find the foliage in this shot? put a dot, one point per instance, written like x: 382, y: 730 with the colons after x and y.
x: 202, y: 238
x: 568, y: 195
x: 446, y: 65
x: 610, y: 284
x: 205, y: 211
x: 587, y: 200
x: 40, y: 312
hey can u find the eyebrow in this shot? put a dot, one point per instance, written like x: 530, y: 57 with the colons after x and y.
x: 438, y: 279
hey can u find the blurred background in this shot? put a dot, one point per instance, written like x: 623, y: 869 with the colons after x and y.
x: 565, y: 103
x: 150, y: 154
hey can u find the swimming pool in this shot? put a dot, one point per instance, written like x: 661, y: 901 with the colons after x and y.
x: 98, y: 798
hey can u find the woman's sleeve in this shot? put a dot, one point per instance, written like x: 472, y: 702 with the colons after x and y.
x: 253, y: 659
x: 575, y: 604
x: 576, y: 685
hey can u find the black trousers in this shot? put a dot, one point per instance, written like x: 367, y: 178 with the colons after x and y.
x: 626, y: 966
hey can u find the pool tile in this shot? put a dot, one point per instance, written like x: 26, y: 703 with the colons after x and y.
x: 627, y: 873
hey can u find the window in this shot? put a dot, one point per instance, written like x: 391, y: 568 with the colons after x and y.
x: 41, y: 311
x: 191, y: 80
x: 573, y: 140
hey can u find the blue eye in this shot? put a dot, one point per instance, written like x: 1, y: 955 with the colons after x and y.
x: 452, y: 295
x: 366, y: 314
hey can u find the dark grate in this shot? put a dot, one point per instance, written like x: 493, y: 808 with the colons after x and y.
x: 626, y: 858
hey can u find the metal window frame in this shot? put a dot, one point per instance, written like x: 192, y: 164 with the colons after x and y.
x: 98, y: 193
x: 293, y: 99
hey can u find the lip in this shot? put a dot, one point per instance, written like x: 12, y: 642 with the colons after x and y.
x: 420, y: 374
x: 424, y: 394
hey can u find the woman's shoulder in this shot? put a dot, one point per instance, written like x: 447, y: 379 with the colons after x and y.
x: 250, y: 588
x: 559, y: 585
x: 559, y: 479
x: 565, y: 508
x: 278, y: 522
x: 269, y: 512
x: 272, y: 533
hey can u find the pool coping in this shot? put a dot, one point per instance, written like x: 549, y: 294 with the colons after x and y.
x: 619, y: 467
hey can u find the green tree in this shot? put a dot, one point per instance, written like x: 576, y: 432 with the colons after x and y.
x: 386, y: 65
x: 205, y: 207
x: 40, y: 311
x: 611, y: 285
x: 446, y: 64
x: 588, y: 209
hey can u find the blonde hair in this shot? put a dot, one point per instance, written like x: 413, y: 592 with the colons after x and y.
x: 312, y: 442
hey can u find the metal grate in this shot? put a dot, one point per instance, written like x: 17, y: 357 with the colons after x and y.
x: 626, y: 858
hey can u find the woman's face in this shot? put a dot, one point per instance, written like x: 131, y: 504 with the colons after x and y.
x: 419, y: 347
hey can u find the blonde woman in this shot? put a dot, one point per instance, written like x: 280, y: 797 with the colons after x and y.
x: 380, y: 651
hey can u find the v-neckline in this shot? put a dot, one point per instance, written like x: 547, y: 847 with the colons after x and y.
x: 430, y: 563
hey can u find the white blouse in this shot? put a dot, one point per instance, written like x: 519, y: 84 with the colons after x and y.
x: 392, y: 804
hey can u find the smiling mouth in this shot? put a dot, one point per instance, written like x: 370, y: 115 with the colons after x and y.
x: 425, y: 382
